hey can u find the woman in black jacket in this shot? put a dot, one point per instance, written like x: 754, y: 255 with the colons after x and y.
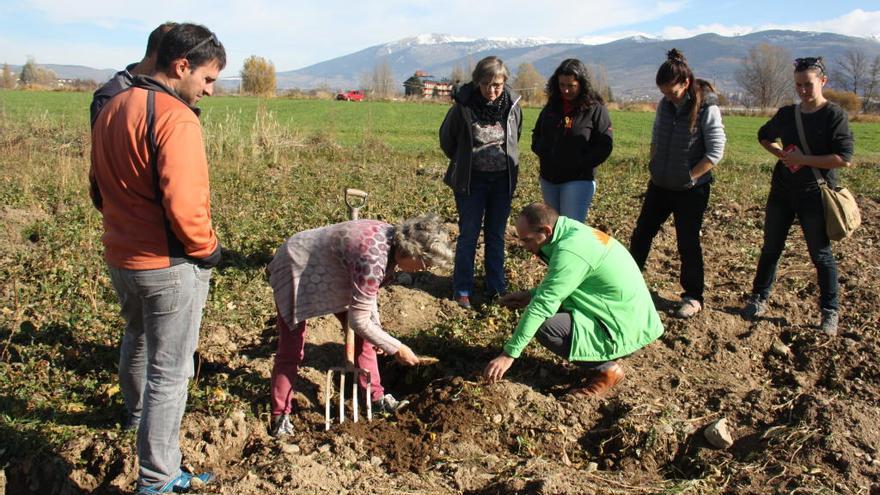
x: 572, y: 137
x: 480, y: 136
x: 794, y: 188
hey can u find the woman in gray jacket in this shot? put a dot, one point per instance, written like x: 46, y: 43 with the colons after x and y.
x: 687, y: 142
x: 480, y: 136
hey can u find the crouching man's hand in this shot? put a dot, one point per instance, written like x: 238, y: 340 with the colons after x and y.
x: 405, y: 355
x: 497, y: 367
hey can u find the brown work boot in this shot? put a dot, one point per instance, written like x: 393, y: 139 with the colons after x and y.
x: 600, y: 383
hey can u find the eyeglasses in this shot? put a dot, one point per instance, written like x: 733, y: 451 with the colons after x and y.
x: 202, y: 43
x: 801, y: 64
x: 492, y: 85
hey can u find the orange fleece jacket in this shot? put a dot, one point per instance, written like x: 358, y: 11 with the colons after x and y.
x: 139, y: 234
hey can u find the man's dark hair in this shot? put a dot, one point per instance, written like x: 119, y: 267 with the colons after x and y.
x: 537, y: 215
x: 156, y: 37
x: 193, y: 42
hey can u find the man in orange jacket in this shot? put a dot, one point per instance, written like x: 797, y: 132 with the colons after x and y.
x: 149, y: 177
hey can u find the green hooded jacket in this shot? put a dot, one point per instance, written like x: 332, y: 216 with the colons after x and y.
x: 593, y: 277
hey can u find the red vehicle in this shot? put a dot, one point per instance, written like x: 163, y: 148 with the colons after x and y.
x: 353, y: 95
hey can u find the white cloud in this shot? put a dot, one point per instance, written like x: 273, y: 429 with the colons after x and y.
x: 297, y: 33
x: 856, y: 23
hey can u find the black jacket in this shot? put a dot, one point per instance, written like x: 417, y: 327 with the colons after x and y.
x: 571, y: 152
x: 827, y: 132
x: 457, y: 141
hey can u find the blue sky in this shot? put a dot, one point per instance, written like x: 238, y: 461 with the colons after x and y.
x: 294, y: 34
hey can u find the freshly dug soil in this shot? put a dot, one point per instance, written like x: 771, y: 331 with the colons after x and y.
x: 804, y: 409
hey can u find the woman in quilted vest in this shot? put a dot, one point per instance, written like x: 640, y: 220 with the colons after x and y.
x: 686, y: 143
x: 794, y: 188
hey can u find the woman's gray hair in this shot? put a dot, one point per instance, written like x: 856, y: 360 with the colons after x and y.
x: 424, y: 237
x: 488, y: 69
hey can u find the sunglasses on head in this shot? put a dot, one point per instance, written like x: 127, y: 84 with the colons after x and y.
x: 202, y: 43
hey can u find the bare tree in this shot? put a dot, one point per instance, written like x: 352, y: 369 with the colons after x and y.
x: 599, y: 81
x: 7, y: 79
x: 258, y: 76
x: 459, y: 75
x: 872, y: 85
x: 382, y: 80
x: 529, y: 83
x: 34, y: 75
x: 851, y: 71
x: 765, y: 75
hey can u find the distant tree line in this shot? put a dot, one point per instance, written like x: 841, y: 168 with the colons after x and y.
x: 766, y: 77
x: 30, y: 76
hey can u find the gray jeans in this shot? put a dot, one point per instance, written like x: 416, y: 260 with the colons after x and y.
x: 162, y: 311
x: 555, y: 335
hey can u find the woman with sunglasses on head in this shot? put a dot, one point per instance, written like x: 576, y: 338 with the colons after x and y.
x: 795, y: 190
x: 686, y: 143
x: 480, y: 136
x: 572, y: 137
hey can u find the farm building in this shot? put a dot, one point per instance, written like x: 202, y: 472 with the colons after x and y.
x: 427, y: 86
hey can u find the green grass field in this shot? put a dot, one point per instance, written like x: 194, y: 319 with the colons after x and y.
x: 278, y: 166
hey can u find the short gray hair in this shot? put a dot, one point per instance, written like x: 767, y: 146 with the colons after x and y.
x: 424, y: 237
x: 488, y: 69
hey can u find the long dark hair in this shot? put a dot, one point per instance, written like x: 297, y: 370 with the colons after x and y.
x: 675, y: 70
x: 575, y: 68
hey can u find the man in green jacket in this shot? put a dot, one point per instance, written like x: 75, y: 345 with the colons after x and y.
x: 591, y: 308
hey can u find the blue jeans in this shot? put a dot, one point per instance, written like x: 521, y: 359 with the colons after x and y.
x: 571, y: 199
x: 782, y: 208
x: 162, y: 311
x: 487, y: 207
x: 687, y: 209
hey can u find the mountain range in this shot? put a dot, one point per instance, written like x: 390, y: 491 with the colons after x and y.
x: 629, y: 63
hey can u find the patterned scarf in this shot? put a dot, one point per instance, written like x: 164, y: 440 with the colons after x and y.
x: 489, y: 112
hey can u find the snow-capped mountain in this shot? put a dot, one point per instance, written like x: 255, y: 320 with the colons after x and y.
x: 630, y: 63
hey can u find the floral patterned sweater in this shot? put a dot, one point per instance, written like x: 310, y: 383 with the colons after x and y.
x: 333, y: 269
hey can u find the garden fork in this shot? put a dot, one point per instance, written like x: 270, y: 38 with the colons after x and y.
x: 355, y: 199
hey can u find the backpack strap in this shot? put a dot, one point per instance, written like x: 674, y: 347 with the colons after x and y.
x: 799, y: 122
x: 153, y: 144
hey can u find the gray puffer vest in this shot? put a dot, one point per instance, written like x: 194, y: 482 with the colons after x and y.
x: 677, y: 149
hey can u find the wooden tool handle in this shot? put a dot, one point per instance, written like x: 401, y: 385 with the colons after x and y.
x: 355, y: 199
x: 349, y: 346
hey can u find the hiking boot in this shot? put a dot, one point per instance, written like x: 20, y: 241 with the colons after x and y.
x: 689, y: 307
x: 388, y: 404
x: 180, y: 484
x: 463, y: 302
x: 755, y: 307
x: 830, y: 319
x: 281, y: 426
x: 599, y: 384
